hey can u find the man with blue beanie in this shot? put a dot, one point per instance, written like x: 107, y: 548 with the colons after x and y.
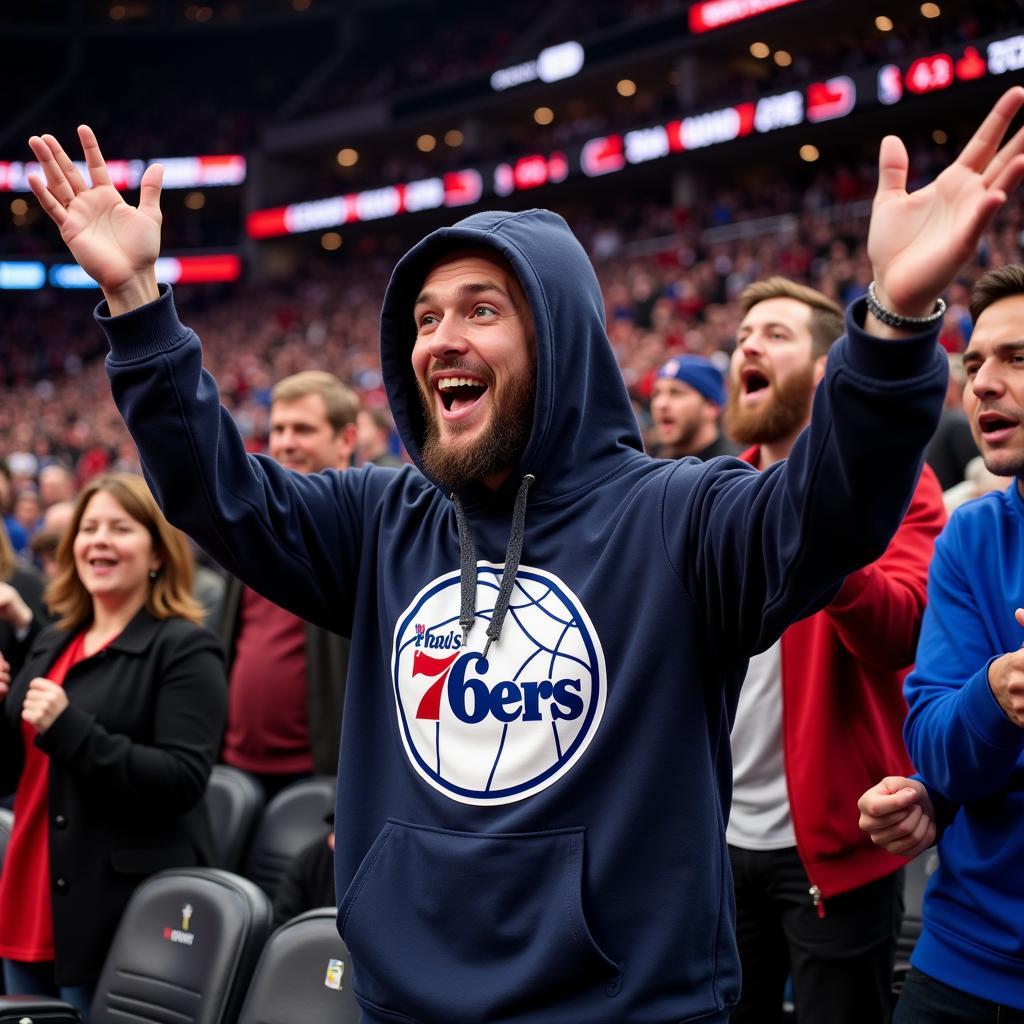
x: 686, y: 403
x: 549, y: 628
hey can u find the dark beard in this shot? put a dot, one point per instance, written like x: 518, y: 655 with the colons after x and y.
x: 498, y: 447
x: 780, y: 417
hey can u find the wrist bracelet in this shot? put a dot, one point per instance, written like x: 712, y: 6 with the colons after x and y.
x: 887, y: 316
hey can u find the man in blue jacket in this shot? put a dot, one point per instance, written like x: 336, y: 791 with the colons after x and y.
x: 965, y: 729
x: 535, y: 766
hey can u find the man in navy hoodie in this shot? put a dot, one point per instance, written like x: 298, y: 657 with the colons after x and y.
x: 535, y: 768
x: 965, y: 729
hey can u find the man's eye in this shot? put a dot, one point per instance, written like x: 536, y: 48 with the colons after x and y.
x: 426, y: 320
x: 485, y: 310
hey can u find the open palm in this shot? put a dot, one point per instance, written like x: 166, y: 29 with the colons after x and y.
x: 112, y: 241
x: 918, y: 240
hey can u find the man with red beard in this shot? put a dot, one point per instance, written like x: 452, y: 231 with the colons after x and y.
x: 819, y: 710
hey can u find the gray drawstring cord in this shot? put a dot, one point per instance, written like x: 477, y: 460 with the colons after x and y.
x: 467, y: 567
x: 467, y: 570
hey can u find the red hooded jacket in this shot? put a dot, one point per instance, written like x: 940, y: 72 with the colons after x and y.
x: 842, y: 698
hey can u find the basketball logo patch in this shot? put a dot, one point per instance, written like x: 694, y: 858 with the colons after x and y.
x: 497, y: 729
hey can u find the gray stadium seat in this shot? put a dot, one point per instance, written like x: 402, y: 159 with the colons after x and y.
x: 290, y: 822
x: 185, y: 950
x: 234, y: 801
x: 303, y: 975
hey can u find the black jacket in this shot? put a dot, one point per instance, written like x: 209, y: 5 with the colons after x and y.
x: 129, y: 760
x: 326, y: 671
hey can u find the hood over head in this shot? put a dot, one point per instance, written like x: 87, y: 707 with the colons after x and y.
x: 583, y: 420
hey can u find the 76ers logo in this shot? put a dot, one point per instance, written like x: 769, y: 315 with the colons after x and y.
x: 497, y: 729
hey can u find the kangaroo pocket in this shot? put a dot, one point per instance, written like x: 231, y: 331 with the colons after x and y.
x: 458, y: 928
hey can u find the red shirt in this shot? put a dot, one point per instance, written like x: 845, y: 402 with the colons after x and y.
x: 26, y: 911
x: 268, y: 705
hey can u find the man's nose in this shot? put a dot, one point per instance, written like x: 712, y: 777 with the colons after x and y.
x: 988, y: 381
x: 448, y: 336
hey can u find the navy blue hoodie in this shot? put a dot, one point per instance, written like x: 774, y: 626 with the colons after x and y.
x: 538, y: 835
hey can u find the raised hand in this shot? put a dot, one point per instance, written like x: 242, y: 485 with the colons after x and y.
x: 919, y: 240
x: 898, y: 816
x: 116, y: 244
x: 1006, y: 680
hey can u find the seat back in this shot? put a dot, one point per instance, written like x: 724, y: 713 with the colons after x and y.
x: 304, y: 975
x: 915, y: 879
x: 289, y: 823
x: 6, y: 826
x: 185, y: 949
x: 234, y: 800
x: 37, y: 1010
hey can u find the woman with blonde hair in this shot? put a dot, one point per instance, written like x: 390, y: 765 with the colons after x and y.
x: 107, y: 736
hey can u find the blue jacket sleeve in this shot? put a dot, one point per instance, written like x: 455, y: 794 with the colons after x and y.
x: 760, y: 550
x: 236, y: 506
x: 960, y: 741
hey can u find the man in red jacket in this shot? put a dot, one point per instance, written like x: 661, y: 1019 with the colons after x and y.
x: 820, y: 714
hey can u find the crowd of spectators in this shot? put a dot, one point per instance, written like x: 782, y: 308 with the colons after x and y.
x: 670, y: 275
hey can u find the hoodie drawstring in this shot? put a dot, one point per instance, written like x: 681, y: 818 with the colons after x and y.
x: 467, y: 567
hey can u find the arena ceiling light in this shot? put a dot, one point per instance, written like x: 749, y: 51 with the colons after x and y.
x: 551, y: 65
x: 883, y: 23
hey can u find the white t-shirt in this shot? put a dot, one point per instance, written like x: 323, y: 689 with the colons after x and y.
x: 760, y: 818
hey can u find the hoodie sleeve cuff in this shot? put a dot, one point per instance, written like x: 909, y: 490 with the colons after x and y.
x: 885, y: 359
x: 984, y: 715
x: 144, y: 332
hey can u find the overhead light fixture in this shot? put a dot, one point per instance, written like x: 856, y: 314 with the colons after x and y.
x: 348, y: 157
x: 930, y: 10
x: 940, y: 137
x: 543, y: 115
x: 626, y: 87
x: 760, y: 50
x: 809, y: 153
x: 331, y: 241
x: 783, y: 58
x: 883, y: 24
x: 453, y: 138
x: 426, y: 143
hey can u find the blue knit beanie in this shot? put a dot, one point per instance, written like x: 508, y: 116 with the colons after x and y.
x: 701, y: 374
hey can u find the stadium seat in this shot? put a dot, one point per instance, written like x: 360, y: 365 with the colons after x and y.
x: 185, y: 949
x: 18, y: 1010
x: 6, y: 825
x: 916, y: 875
x: 290, y: 822
x: 234, y: 800
x: 303, y: 975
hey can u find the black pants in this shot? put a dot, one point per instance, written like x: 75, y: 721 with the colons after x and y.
x: 926, y: 1000
x: 841, y: 963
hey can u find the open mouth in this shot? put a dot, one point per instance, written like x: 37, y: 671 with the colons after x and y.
x: 102, y: 563
x: 995, y: 426
x: 753, y: 380
x: 459, y: 393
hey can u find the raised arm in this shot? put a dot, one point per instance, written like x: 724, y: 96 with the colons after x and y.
x: 760, y: 550
x: 294, y: 538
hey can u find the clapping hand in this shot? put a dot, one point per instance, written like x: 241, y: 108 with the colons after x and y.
x: 44, y: 701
